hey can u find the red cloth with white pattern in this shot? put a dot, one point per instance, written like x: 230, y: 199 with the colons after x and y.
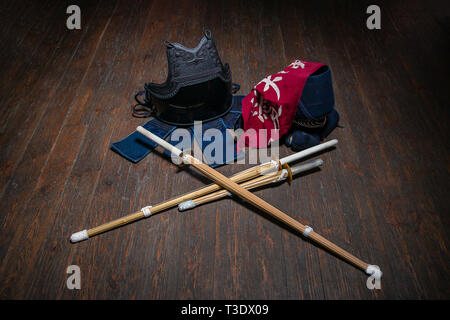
x: 272, y: 104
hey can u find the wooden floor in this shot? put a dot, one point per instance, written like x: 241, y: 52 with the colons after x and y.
x: 383, y: 193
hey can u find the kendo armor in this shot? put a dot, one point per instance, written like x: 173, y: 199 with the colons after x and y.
x: 317, y: 100
x: 316, y: 116
x: 198, y: 86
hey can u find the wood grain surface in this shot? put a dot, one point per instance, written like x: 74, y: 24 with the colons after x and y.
x: 382, y: 194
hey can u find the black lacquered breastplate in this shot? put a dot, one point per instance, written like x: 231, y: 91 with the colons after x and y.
x: 198, y: 85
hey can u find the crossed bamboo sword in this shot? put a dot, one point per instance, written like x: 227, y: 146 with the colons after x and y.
x: 270, y: 172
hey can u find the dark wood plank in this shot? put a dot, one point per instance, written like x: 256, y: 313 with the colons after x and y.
x: 418, y: 128
x: 38, y: 207
x: 18, y: 122
x: 15, y: 27
x: 22, y: 59
x: 29, y: 169
x: 88, y: 167
x: 11, y: 20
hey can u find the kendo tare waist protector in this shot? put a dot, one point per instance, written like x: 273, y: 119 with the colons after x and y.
x: 135, y: 146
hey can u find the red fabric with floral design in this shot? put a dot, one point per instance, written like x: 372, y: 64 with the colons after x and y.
x: 272, y: 104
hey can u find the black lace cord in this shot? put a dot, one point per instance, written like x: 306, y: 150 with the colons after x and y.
x: 237, y: 123
x: 311, y: 123
x: 235, y: 88
x: 142, y: 109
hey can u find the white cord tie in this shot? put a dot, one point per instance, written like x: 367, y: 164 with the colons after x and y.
x: 186, y: 205
x: 307, y: 231
x: 284, y: 174
x: 146, y: 211
x: 374, y: 270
